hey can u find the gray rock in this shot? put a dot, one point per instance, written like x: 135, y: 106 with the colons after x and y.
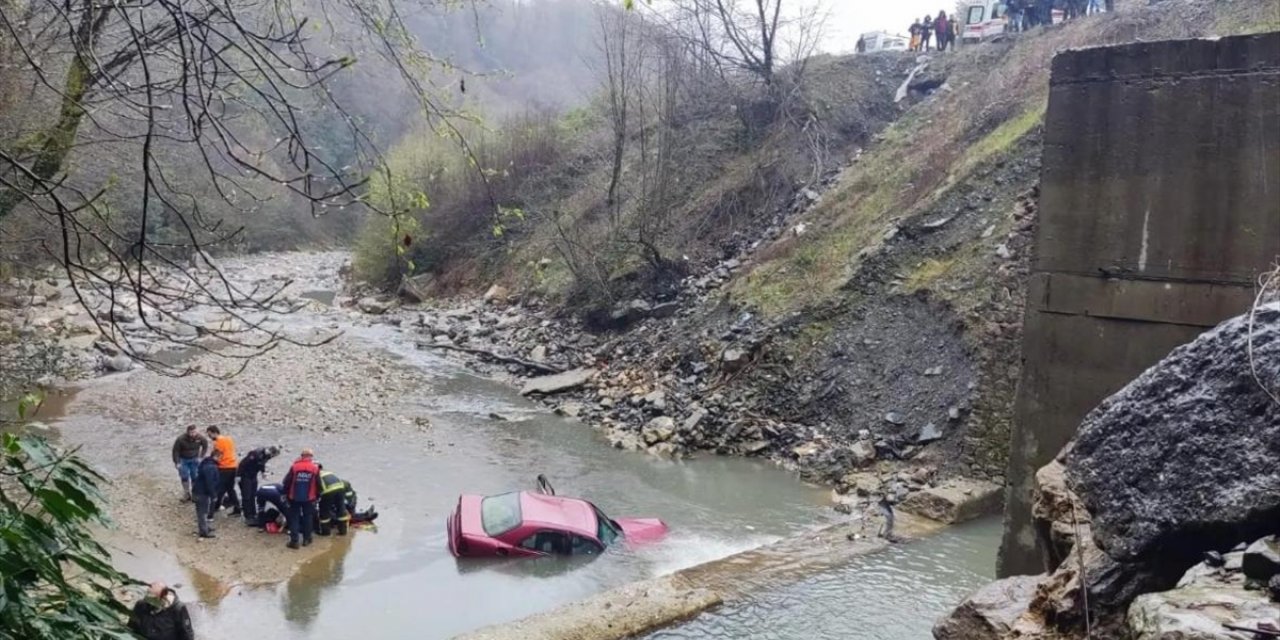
x: 893, y: 417
x: 733, y: 359
x: 753, y: 447
x: 628, y: 312
x: 1196, y: 424
x: 558, y: 382
x: 933, y: 371
x: 659, y: 429
x: 953, y: 414
x: 664, y: 310
x: 693, y: 421
x: 958, y: 500
x: 372, y: 306
x: 1004, y: 252
x: 1198, y: 611
x: 117, y: 363
x: 416, y: 288
x: 928, y: 433
x: 497, y: 293
x: 1262, y: 559
x: 657, y: 400
x: 863, y: 452
x: 539, y: 353
x: 117, y: 314
x: 990, y: 613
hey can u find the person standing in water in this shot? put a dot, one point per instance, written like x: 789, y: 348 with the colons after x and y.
x: 886, y: 510
x: 161, y: 615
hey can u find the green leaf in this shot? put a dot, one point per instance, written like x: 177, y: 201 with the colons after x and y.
x: 29, y: 404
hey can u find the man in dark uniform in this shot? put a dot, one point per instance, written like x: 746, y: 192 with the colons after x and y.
x: 253, y: 464
x: 269, y: 503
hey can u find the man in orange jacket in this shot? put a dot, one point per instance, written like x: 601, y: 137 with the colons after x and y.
x: 227, y: 464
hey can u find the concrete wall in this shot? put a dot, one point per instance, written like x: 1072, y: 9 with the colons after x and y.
x: 1159, y: 206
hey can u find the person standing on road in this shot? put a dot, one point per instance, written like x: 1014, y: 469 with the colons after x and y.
x: 161, y: 615
x: 942, y: 30
x: 301, y: 488
x: 915, y: 36
x: 926, y: 32
x: 188, y: 449
x: 861, y: 47
x: 227, y: 464
x: 205, y: 488
x: 253, y: 465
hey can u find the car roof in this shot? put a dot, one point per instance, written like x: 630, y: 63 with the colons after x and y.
x: 570, y: 514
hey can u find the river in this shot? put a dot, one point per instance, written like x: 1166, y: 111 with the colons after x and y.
x: 401, y: 582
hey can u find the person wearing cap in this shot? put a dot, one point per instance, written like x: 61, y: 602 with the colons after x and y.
x: 160, y: 615
x: 301, y: 489
x: 253, y: 464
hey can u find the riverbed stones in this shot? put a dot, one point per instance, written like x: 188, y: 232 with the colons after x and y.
x: 117, y: 363
x: 657, y: 430
x: 372, y: 306
x: 1262, y: 559
x: 559, y: 382
x: 1198, y: 610
x: 990, y: 613
x: 496, y: 294
x: 862, y: 452
x: 733, y: 359
x: 957, y: 500
x: 1197, y: 424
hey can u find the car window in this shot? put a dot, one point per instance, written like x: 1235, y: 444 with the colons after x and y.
x: 560, y: 543
x: 500, y: 514
x: 607, y: 530
x: 976, y: 13
x: 553, y: 542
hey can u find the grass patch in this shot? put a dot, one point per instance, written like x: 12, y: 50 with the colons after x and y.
x: 927, y: 273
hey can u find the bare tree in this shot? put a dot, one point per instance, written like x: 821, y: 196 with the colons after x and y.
x: 229, y: 82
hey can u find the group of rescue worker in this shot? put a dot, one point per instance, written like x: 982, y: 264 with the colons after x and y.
x: 308, y: 499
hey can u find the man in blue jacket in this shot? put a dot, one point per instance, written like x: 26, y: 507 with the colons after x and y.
x: 205, y: 486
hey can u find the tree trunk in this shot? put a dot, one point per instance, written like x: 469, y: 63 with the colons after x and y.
x: 54, y: 143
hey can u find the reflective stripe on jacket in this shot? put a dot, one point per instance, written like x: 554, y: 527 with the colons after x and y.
x: 331, y: 483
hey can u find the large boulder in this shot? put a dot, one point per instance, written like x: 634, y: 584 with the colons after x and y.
x: 1058, y: 513
x: 1184, y: 458
x: 559, y: 382
x: 990, y: 613
x: 957, y: 500
x: 1261, y: 560
x: 1197, y: 610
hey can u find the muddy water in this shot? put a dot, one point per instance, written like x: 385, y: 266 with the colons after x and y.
x: 895, y: 595
x: 401, y: 581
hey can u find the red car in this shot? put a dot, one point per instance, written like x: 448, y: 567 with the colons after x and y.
x: 529, y: 524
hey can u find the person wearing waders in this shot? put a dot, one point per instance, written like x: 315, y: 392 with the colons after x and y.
x: 301, y: 488
x: 205, y: 487
x: 253, y: 464
x: 333, y: 504
x: 886, y: 510
x: 188, y: 449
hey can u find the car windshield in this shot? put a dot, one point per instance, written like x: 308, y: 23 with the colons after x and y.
x: 500, y: 514
x: 609, y: 531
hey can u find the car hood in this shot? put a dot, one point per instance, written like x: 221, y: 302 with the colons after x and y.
x: 642, y: 529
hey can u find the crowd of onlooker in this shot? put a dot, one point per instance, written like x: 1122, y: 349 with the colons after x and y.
x: 943, y: 31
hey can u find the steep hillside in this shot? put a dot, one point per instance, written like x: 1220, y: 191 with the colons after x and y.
x: 849, y: 283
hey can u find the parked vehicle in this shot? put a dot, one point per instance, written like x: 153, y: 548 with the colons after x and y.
x: 525, y: 524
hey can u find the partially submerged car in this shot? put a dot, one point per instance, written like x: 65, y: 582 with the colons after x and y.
x: 531, y: 524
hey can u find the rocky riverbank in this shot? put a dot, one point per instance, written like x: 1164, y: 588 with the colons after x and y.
x: 1161, y: 515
